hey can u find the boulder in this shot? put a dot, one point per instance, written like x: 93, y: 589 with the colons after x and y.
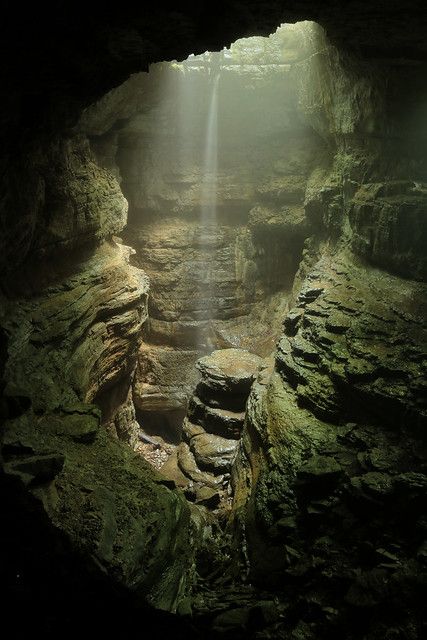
x: 229, y: 370
x: 222, y: 422
x: 188, y: 466
x: 213, y: 452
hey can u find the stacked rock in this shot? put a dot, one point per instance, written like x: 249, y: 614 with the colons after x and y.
x: 214, y: 421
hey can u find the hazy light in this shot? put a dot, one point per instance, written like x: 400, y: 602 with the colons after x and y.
x: 198, y: 113
x: 208, y: 199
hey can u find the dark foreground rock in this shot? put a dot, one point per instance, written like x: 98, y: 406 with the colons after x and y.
x: 105, y: 500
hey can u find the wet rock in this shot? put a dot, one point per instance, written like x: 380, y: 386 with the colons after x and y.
x: 213, y: 452
x: 373, y: 484
x: 123, y: 422
x: 347, y: 354
x: 292, y: 321
x: 208, y: 497
x: 165, y: 378
x: 221, y: 400
x: 188, y: 466
x: 308, y: 294
x: 336, y: 323
x: 189, y: 430
x: 389, y: 227
x: 302, y: 348
x: 219, y: 421
x: 79, y: 422
x: 96, y: 310
x: 107, y: 501
x: 320, y: 469
x: 229, y: 370
x: 170, y: 469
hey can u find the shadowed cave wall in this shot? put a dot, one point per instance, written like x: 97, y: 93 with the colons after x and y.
x: 330, y: 476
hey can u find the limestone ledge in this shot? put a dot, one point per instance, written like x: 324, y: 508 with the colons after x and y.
x: 390, y: 226
x: 355, y: 344
x: 78, y: 332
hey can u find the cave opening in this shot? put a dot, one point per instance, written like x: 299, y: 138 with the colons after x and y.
x: 219, y: 268
x: 214, y: 155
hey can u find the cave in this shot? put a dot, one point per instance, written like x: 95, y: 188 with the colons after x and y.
x: 212, y: 321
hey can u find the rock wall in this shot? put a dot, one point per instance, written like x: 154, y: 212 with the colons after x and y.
x: 331, y: 473
x: 72, y: 315
x: 334, y: 430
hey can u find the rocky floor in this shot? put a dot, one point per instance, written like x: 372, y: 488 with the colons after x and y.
x: 156, y: 453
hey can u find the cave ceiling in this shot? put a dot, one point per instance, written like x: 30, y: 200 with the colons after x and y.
x: 59, y: 57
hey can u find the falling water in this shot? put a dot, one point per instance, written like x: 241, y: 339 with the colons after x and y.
x: 210, y: 165
x: 208, y: 211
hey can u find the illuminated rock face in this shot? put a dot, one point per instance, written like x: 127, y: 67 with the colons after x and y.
x: 213, y: 426
x: 225, y: 283
x: 94, y: 310
x: 354, y: 343
x: 72, y: 318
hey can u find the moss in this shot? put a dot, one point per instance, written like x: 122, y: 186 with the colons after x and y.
x: 110, y: 504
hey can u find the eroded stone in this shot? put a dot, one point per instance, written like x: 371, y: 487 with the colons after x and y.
x: 229, y: 370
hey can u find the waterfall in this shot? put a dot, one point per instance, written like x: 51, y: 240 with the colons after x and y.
x: 210, y: 164
x: 208, y: 212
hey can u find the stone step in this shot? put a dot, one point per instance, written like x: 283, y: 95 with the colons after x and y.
x: 229, y: 370
x: 188, y: 466
x: 213, y: 453
x: 220, y: 399
x: 221, y: 422
x: 189, y: 430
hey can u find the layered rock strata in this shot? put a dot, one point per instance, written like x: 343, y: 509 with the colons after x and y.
x: 330, y: 478
x: 214, y: 282
x: 213, y: 425
x: 335, y: 520
x: 354, y: 344
x: 72, y: 317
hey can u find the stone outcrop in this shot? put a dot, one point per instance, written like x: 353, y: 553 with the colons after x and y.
x: 95, y: 310
x: 354, y: 344
x: 229, y: 371
x: 69, y: 201
x: 213, y: 426
x: 335, y: 516
x: 107, y: 501
x: 389, y: 226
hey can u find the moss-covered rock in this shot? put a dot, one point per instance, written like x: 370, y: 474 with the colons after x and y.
x: 109, y: 502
